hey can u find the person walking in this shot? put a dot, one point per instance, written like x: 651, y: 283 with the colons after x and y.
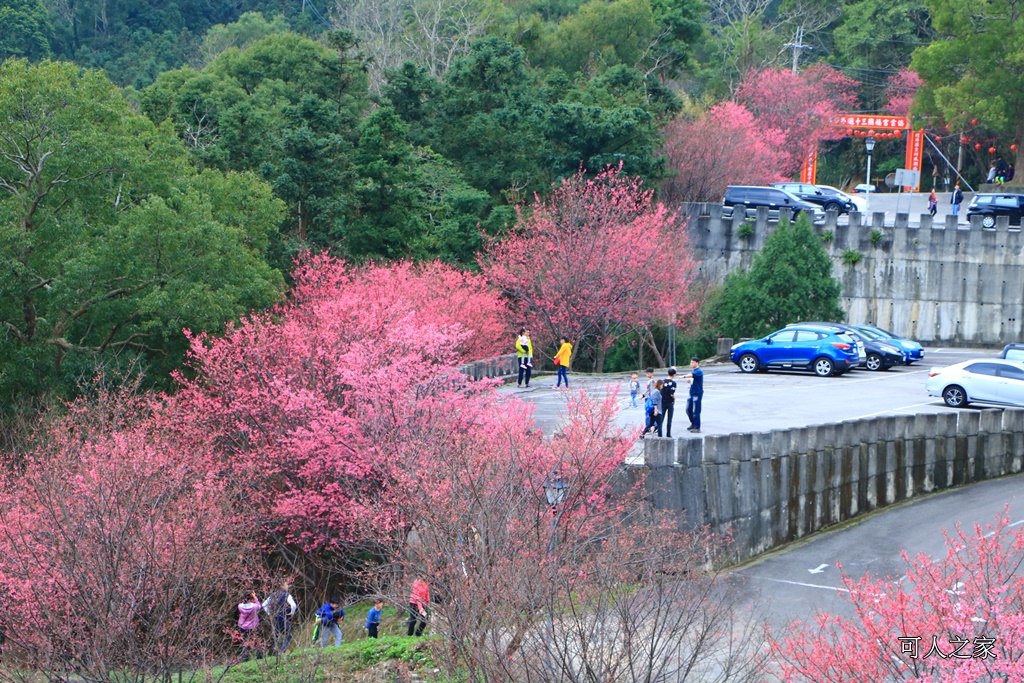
x: 419, y: 604
x: 562, y: 362
x: 248, y: 622
x: 668, y: 401
x: 373, y: 619
x: 524, y: 354
x: 329, y: 616
x: 933, y: 204
x: 281, y: 607
x: 696, y: 397
x: 957, y: 199
x: 654, y: 412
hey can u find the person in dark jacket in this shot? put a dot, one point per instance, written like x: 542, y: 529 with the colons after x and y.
x: 330, y: 617
x: 668, y: 401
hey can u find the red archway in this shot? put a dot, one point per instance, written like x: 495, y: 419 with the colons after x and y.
x: 881, y: 125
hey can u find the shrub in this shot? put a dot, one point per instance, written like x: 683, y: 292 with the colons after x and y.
x: 852, y: 257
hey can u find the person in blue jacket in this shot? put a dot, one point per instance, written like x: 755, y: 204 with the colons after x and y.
x: 693, y: 402
x: 373, y: 618
x: 330, y: 617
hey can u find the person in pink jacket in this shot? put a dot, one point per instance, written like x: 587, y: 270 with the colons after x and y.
x: 248, y: 622
x: 419, y: 603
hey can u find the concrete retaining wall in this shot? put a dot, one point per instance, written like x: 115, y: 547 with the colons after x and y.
x: 936, y: 283
x: 768, y: 488
x: 502, y: 366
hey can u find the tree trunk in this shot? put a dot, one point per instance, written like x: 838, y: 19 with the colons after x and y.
x: 1018, y: 166
x: 648, y: 339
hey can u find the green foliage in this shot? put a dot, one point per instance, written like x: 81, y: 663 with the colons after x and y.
x: 789, y: 280
x: 881, y: 34
x: 746, y: 230
x: 852, y: 257
x: 512, y: 133
x: 24, y: 29
x: 111, y: 242
x: 975, y: 68
x: 876, y: 236
x: 828, y: 236
x: 250, y: 28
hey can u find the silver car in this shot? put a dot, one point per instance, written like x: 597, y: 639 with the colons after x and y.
x: 989, y: 380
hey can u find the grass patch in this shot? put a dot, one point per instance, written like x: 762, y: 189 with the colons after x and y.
x: 852, y: 257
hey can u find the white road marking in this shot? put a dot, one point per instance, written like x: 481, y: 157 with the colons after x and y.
x: 819, y: 569
x: 892, y: 410
x: 1008, y: 526
x: 801, y: 583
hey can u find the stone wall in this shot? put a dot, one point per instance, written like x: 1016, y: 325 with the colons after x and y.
x: 501, y: 366
x: 938, y: 283
x: 769, y: 488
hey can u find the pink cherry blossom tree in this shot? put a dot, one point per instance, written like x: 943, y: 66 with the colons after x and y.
x: 900, y: 91
x: 120, y: 551
x: 954, y: 619
x: 595, y: 260
x: 307, y: 400
x: 802, y: 107
x: 726, y: 146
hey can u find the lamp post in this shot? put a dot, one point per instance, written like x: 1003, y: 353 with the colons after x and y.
x: 555, y: 489
x: 869, y: 145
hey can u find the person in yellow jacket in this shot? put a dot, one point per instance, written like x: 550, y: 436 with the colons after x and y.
x: 524, y: 355
x: 562, y: 362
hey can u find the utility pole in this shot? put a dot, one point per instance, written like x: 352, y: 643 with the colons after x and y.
x: 797, y: 45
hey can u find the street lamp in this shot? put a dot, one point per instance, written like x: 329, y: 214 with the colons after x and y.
x: 555, y: 489
x: 869, y: 145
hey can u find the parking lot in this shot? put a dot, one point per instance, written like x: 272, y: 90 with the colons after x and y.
x: 736, y: 402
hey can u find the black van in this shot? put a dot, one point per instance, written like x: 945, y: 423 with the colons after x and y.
x: 748, y: 198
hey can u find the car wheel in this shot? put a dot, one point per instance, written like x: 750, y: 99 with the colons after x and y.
x: 873, y: 362
x: 749, y: 363
x: 824, y: 367
x: 834, y: 206
x: 955, y: 396
x: 988, y: 221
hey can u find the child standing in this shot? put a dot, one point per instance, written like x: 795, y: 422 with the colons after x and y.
x: 329, y: 617
x: 373, y: 618
x: 634, y: 389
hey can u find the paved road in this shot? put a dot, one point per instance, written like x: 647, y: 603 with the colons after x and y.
x: 735, y: 402
x: 913, y: 204
x: 802, y: 578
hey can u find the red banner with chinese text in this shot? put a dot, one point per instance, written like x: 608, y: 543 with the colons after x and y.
x: 915, y: 153
x: 809, y: 169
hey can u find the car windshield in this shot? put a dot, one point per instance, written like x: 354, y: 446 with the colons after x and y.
x: 871, y: 334
x: 844, y: 337
x: 889, y: 334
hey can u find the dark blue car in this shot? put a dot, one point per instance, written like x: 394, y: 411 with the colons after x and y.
x: 823, y: 350
x: 912, y: 351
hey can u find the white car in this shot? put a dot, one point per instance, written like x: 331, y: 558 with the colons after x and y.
x: 987, y: 380
x: 864, y: 187
x: 859, y: 202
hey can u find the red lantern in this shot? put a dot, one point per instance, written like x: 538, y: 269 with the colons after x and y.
x: 977, y: 146
x: 1013, y: 148
x: 871, y: 133
x: 899, y: 133
x: 991, y: 150
x: 849, y: 131
x: 938, y: 138
x: 974, y: 122
x: 963, y: 141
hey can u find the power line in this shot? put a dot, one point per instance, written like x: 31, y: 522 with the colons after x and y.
x: 311, y: 6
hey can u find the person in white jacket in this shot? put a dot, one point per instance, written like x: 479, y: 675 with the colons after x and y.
x: 281, y: 607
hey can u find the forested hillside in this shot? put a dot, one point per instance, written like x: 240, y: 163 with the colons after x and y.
x: 413, y: 129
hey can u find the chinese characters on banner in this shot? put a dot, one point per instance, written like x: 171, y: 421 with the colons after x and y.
x: 809, y: 169
x: 915, y: 151
x: 863, y: 121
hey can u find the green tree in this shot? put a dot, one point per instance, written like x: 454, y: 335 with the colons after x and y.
x: 975, y: 67
x: 110, y: 241
x: 24, y: 29
x: 789, y: 280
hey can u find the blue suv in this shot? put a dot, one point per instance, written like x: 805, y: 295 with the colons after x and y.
x: 825, y: 351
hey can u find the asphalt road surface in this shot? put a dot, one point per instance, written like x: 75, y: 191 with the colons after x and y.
x: 735, y: 402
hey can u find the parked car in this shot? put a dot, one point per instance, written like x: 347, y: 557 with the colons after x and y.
x: 912, y: 351
x: 990, y: 205
x: 748, y: 198
x: 989, y: 380
x: 859, y: 202
x: 1013, y: 352
x: 828, y: 201
x: 864, y: 187
x: 822, y: 350
x: 876, y: 354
